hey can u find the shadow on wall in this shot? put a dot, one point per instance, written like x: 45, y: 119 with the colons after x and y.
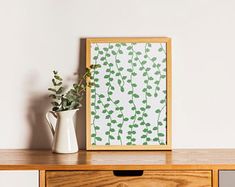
x: 81, y: 115
x: 39, y: 104
x: 40, y: 135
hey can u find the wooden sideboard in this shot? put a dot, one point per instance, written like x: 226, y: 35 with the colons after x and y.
x: 194, y: 168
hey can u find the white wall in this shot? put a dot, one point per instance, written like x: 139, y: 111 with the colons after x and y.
x: 37, y: 36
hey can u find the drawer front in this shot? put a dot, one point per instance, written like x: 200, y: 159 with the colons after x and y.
x: 128, y: 178
x: 19, y: 178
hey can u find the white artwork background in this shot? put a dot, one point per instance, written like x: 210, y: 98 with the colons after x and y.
x: 128, y: 99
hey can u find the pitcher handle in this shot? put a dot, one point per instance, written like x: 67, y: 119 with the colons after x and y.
x: 49, y: 123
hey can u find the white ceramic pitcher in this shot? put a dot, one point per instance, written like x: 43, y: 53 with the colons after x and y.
x: 64, y: 135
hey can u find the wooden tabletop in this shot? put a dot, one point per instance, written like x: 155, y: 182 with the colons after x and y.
x: 110, y: 160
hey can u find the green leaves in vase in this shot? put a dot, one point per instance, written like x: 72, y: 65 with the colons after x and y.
x: 61, y: 100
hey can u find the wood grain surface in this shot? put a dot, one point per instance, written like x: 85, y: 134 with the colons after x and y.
x: 148, y: 179
x: 111, y: 160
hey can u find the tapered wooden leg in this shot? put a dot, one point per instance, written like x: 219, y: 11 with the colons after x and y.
x: 42, y: 178
x: 215, y: 178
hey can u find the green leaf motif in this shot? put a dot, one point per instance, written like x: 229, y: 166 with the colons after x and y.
x: 129, y: 95
x: 136, y: 96
x: 126, y: 119
x: 116, y: 102
x: 98, y: 138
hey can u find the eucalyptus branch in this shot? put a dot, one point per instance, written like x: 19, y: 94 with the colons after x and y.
x: 72, y: 98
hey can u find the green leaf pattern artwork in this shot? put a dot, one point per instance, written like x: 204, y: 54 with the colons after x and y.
x: 128, y: 99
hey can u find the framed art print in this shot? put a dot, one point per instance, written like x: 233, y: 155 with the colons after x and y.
x: 129, y: 104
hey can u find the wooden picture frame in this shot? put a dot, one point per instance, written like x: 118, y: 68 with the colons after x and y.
x: 102, y: 49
